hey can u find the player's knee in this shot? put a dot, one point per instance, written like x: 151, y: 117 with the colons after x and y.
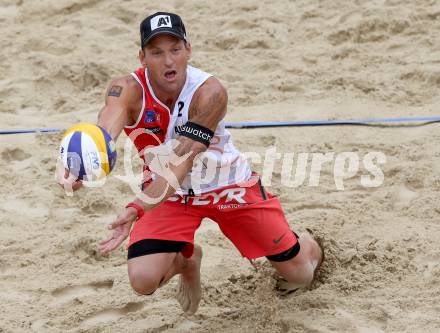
x: 144, y: 283
x: 286, y: 255
x: 300, y: 267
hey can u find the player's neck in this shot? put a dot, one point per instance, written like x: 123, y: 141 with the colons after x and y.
x: 167, y: 97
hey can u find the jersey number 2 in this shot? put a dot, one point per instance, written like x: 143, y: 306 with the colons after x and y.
x: 180, y: 105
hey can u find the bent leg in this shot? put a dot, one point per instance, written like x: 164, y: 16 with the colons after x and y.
x: 299, y: 271
x: 161, y: 246
x: 147, y: 272
x: 189, y: 290
x: 152, y: 262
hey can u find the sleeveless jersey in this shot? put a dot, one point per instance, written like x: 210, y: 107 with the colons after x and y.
x: 221, y: 165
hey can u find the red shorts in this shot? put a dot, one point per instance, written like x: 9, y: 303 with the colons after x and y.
x: 248, y: 215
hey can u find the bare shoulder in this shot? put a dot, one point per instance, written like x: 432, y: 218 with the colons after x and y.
x: 211, y: 87
x: 124, y: 86
x: 210, y: 100
x: 123, y: 101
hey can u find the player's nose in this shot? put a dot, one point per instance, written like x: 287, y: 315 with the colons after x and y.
x: 169, y: 61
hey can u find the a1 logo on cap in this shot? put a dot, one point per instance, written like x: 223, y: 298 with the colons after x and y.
x: 160, y: 21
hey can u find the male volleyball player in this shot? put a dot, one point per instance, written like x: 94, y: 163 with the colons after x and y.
x: 167, y: 99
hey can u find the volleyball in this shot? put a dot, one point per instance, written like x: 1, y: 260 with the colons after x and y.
x: 88, y: 151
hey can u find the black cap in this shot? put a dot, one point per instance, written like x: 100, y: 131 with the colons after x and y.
x: 161, y: 23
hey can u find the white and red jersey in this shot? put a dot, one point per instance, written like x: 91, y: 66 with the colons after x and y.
x: 221, y: 165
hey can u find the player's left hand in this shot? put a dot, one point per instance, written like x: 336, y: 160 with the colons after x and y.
x: 121, y: 229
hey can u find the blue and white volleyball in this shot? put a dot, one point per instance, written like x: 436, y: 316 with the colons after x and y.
x: 88, y: 152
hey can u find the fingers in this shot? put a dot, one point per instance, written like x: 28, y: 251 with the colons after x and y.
x: 120, y: 220
x: 114, y: 244
x: 107, y: 247
x: 121, y: 229
x: 76, y: 185
x: 104, y: 241
x: 111, y: 245
x: 72, y: 180
x: 128, y: 216
x: 68, y: 181
x: 63, y: 176
x: 104, y: 245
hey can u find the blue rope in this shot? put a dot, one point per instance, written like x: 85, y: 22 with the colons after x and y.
x: 35, y: 130
x: 361, y: 122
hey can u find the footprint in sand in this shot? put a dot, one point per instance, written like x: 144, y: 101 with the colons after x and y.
x: 429, y: 265
x: 403, y: 196
x: 16, y: 154
x: 85, y: 250
x: 66, y: 294
x: 115, y: 31
x: 361, y: 324
x: 4, y: 267
x: 46, y: 46
x: 112, y: 314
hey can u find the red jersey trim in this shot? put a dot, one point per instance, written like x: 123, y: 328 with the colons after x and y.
x: 141, y: 113
x: 152, y: 124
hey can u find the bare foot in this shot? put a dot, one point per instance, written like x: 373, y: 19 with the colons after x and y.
x: 317, y: 263
x: 189, y: 290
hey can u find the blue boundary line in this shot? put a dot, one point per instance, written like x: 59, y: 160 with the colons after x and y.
x: 35, y: 130
x: 364, y: 122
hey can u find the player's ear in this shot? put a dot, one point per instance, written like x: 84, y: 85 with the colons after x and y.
x: 142, y: 58
x: 189, y: 49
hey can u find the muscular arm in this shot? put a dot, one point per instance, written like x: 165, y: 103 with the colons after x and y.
x: 122, y: 99
x: 207, y: 109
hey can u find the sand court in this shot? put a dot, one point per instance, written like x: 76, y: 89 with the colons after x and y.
x: 279, y: 61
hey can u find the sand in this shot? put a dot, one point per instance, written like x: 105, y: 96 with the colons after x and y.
x: 282, y: 60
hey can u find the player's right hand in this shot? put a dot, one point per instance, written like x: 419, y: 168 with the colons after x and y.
x: 67, y: 180
x: 121, y: 230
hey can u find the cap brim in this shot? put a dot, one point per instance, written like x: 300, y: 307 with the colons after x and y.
x: 161, y: 32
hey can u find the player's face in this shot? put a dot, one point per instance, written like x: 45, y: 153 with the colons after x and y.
x: 166, y: 58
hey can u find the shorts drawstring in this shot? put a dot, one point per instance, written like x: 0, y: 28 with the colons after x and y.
x: 187, y: 196
x: 262, y: 190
